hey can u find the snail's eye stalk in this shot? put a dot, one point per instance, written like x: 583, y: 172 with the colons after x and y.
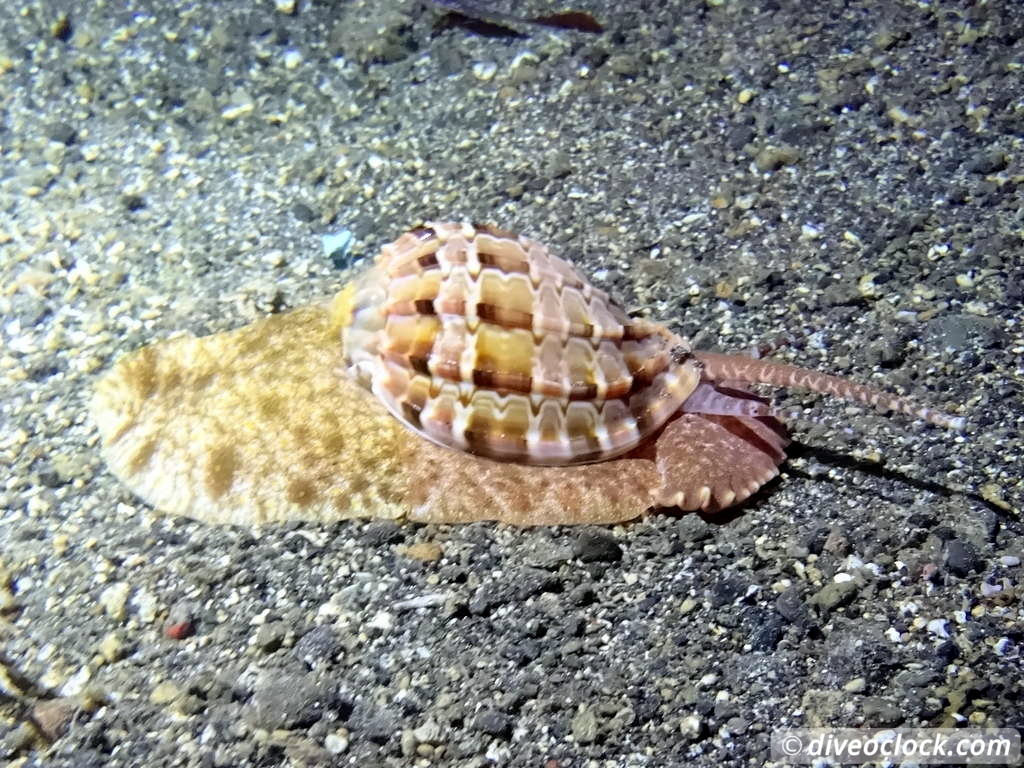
x: 747, y: 370
x: 680, y: 354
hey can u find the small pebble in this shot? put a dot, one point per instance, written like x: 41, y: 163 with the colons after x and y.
x: 428, y: 733
x: 988, y: 590
x: 856, y: 685
x: 111, y: 648
x: 595, y: 546
x: 114, y: 600
x: 382, y: 621
x: 775, y: 158
x: 145, y: 603
x: 54, y: 716
x: 336, y: 743
x: 164, y: 693
x: 484, y: 70
x: 691, y: 728
x: 584, y: 726
x: 494, y: 723
x: 424, y: 551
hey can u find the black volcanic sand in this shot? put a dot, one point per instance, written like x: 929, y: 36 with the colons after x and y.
x: 846, y: 172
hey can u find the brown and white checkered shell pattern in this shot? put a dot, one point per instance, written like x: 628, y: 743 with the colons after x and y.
x: 484, y: 341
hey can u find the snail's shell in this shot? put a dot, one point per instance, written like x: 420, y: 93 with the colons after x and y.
x: 486, y: 342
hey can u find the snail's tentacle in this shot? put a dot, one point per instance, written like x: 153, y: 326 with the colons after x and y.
x: 724, y: 400
x: 736, y: 368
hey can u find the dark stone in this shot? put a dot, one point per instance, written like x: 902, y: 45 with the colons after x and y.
x: 280, y: 700
x: 851, y: 97
x: 962, y: 558
x: 270, y: 637
x: 533, y: 581
x: 378, y: 727
x: 595, y: 547
x: 557, y: 166
x: 879, y: 713
x: 133, y: 202
x: 988, y: 161
x: 960, y: 332
x: 767, y: 634
x: 857, y: 651
x: 945, y: 652
x: 489, y: 596
x: 582, y: 594
x: 522, y: 653
x: 493, y: 723
x: 51, y: 478
x: 957, y: 195
x: 646, y: 705
x: 550, y: 556
x: 924, y: 520
x: 519, y: 695
x: 803, y: 131
x: 693, y: 528
x: 792, y: 608
x: 739, y: 137
x: 650, y: 602
x: 62, y: 133
x: 726, y: 589
x: 725, y: 709
x: 705, y: 704
x: 317, y: 647
x: 303, y: 212
x: 381, y: 532
x: 834, y: 595
x: 910, y: 679
x: 814, y: 542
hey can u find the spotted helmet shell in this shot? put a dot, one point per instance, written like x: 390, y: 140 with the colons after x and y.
x: 484, y: 341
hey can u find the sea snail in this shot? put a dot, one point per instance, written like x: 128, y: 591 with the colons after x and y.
x: 469, y: 374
